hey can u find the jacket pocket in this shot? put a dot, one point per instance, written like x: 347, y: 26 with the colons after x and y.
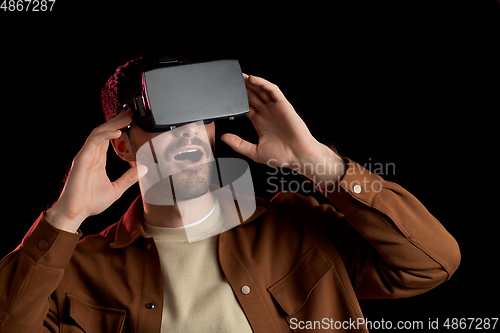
x: 91, y: 318
x: 294, y: 289
x: 315, y: 298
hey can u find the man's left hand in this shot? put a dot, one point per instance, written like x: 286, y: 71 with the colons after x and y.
x: 284, y: 139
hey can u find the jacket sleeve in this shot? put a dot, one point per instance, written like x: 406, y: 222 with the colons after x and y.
x: 30, y: 274
x: 390, y: 244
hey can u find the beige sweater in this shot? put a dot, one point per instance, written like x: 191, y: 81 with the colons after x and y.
x: 197, y: 296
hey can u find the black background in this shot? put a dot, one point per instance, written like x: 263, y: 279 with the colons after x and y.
x: 414, y: 83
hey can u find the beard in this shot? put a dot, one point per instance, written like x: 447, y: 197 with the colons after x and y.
x: 180, y: 185
x: 190, y: 184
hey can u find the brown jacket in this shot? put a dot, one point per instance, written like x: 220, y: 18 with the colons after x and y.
x: 301, y: 261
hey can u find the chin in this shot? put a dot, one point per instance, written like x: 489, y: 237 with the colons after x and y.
x: 184, y: 185
x: 191, y: 184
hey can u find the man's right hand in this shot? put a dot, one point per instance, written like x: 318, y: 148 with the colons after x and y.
x: 88, y: 190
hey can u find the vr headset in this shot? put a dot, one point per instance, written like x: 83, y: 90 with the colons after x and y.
x: 178, y: 94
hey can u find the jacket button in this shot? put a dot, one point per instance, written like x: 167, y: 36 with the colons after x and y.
x: 150, y: 306
x: 245, y: 290
x: 42, y: 245
x: 149, y: 247
x: 356, y: 189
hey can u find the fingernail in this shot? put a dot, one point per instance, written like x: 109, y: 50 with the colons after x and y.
x: 142, y: 170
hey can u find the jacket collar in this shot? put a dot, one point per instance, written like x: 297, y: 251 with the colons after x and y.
x: 130, y: 227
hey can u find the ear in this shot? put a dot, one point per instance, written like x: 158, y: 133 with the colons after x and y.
x: 123, y: 148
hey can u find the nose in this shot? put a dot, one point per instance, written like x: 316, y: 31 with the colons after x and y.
x: 188, y: 130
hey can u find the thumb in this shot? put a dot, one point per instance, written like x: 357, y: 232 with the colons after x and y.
x: 240, y: 146
x: 128, y: 179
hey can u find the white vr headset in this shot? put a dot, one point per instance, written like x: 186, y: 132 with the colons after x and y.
x: 177, y: 94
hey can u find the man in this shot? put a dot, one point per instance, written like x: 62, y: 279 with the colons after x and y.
x: 292, y: 264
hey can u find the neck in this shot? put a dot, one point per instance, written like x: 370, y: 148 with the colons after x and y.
x: 182, y: 214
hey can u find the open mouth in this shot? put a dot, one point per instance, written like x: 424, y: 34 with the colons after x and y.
x: 189, y: 155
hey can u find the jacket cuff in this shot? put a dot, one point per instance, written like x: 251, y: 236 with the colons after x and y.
x: 356, y: 190
x: 47, y: 245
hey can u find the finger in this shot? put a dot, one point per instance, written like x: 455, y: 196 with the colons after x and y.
x: 128, y: 179
x: 271, y: 89
x: 97, y: 139
x: 262, y: 93
x: 240, y: 146
x: 255, y: 100
x: 121, y: 120
x: 252, y: 112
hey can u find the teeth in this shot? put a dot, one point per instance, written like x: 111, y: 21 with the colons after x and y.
x: 190, y: 155
x: 187, y: 151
